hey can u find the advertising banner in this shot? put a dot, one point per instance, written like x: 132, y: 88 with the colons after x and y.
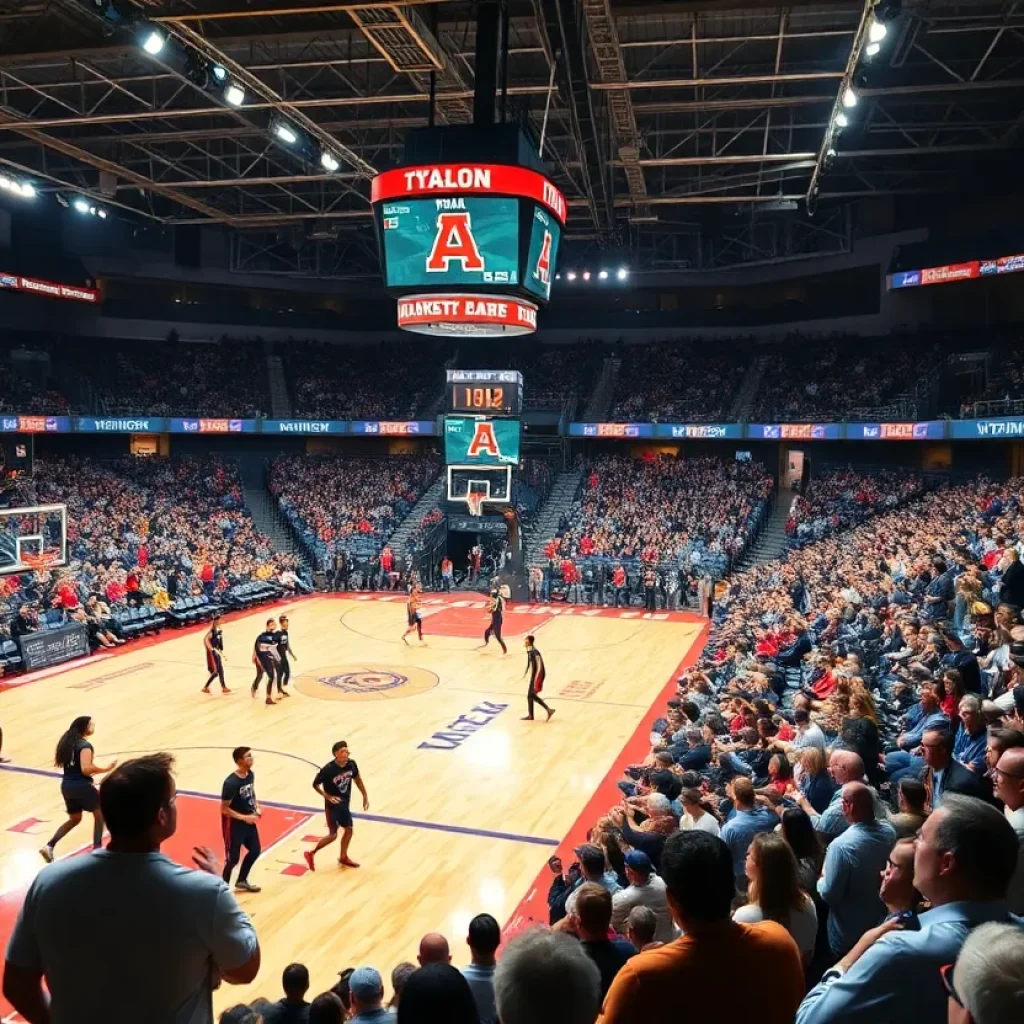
x: 303, y: 426
x: 394, y: 428
x: 121, y: 425
x: 699, y: 431
x: 619, y: 430
x: 794, y: 431
x: 201, y: 425
x: 998, y: 426
x: 12, y: 423
x: 927, y: 430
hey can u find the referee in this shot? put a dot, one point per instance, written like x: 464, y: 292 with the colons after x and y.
x: 239, y: 814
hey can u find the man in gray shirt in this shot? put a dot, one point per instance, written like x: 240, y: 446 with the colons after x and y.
x: 176, y: 930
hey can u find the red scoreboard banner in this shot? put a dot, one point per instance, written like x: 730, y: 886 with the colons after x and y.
x: 467, y: 314
x: 36, y: 286
x: 468, y: 179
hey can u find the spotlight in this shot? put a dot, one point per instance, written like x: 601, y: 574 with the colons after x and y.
x: 5, y: 183
x: 871, y: 49
x: 285, y: 134
x: 622, y: 274
x: 329, y: 161
x: 603, y: 275
x: 92, y: 210
x: 842, y: 120
x: 831, y: 152
x: 219, y: 72
x: 28, y: 190
x: 571, y: 275
x: 234, y: 94
x: 558, y: 277
x: 877, y: 31
x: 102, y: 214
x: 586, y: 275
x: 153, y: 42
x: 849, y: 98
x: 81, y: 206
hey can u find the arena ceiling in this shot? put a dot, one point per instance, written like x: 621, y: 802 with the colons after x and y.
x: 659, y: 118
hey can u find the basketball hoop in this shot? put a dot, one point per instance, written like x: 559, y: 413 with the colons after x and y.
x: 40, y: 562
x: 475, y: 501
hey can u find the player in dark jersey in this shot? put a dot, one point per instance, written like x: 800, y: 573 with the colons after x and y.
x: 535, y: 666
x: 214, y: 644
x: 497, y: 609
x: 284, y: 651
x: 266, y: 659
x: 75, y: 755
x: 334, y: 783
x: 412, y: 611
x: 240, y: 812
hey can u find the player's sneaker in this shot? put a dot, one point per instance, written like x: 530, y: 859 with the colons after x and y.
x: 47, y: 854
x: 348, y: 862
x: 270, y: 700
x: 307, y: 856
x: 252, y: 691
x: 246, y: 886
x: 551, y: 711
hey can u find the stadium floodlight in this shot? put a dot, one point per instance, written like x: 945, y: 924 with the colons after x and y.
x: 603, y: 275
x: 571, y: 275
x: 153, y: 41
x: 877, y: 31
x: 102, y: 214
x: 842, y: 121
x: 329, y: 161
x: 849, y: 98
x: 285, y: 133
x: 831, y: 151
x: 586, y: 275
x: 622, y: 274
x: 81, y: 205
x: 558, y: 277
x: 219, y: 72
x: 234, y: 94
x: 871, y: 49
x: 5, y: 183
x: 28, y: 190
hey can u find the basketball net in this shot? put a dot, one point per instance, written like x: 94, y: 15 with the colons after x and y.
x: 475, y: 501
x: 39, y: 562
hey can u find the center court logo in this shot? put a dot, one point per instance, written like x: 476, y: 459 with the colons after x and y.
x: 366, y: 682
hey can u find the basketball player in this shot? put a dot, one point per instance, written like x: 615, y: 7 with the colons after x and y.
x: 266, y: 659
x: 75, y: 755
x: 239, y: 814
x: 214, y: 644
x: 497, y: 609
x: 535, y: 666
x: 334, y: 783
x: 284, y: 649
x: 412, y: 609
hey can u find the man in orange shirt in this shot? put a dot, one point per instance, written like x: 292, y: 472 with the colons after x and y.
x: 696, y: 970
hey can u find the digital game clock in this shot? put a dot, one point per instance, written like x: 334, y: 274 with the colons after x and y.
x: 484, y: 392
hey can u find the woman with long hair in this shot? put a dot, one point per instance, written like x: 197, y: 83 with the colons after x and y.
x: 815, y: 782
x: 798, y: 831
x: 74, y: 754
x: 775, y: 893
x: 859, y: 732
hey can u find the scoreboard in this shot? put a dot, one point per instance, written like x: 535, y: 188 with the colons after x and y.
x: 484, y: 392
x: 476, y: 441
x: 459, y: 241
x: 452, y: 235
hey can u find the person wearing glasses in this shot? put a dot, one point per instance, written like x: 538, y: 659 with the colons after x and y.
x: 1008, y: 777
x: 964, y: 858
x: 986, y: 984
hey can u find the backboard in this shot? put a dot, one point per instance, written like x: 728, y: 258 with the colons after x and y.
x: 495, y: 482
x: 35, y: 537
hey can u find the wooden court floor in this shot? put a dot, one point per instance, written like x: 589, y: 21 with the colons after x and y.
x: 467, y: 801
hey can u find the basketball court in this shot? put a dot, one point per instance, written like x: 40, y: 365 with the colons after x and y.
x: 467, y: 802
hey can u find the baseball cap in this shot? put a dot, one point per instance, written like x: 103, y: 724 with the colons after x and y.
x: 365, y: 984
x: 1017, y: 653
x: 639, y: 861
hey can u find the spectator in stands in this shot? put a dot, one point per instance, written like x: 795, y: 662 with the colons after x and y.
x: 853, y: 864
x: 645, y: 889
x: 590, y: 921
x: 483, y: 940
x: 963, y: 862
x: 293, y: 1009
x: 945, y: 775
x: 986, y: 986
x: 1008, y: 777
x: 912, y: 798
x: 774, y: 892
x: 641, y: 928
x: 433, y: 950
x: 546, y: 978
x: 746, y: 822
x: 434, y: 993
x: 698, y: 967
x: 366, y: 990
x: 327, y: 1008
x: 897, y: 891
x: 400, y: 974
x: 200, y: 924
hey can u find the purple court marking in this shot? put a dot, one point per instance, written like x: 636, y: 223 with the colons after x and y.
x: 306, y: 809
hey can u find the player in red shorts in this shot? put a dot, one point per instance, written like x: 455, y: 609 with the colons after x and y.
x: 535, y: 666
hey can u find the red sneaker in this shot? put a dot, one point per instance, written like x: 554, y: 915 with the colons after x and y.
x: 307, y: 856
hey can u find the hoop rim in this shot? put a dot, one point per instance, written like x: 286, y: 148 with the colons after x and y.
x: 475, y: 502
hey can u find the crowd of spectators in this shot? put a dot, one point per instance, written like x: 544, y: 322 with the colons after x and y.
x: 837, y: 379
x: 699, y: 514
x: 1003, y: 391
x: 227, y: 378
x: 349, y: 507
x: 139, y: 531
x: 677, y: 382
x: 21, y: 395
x: 840, y: 498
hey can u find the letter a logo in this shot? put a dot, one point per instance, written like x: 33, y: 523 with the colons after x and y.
x: 484, y: 442
x: 454, y: 241
x: 542, y: 272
